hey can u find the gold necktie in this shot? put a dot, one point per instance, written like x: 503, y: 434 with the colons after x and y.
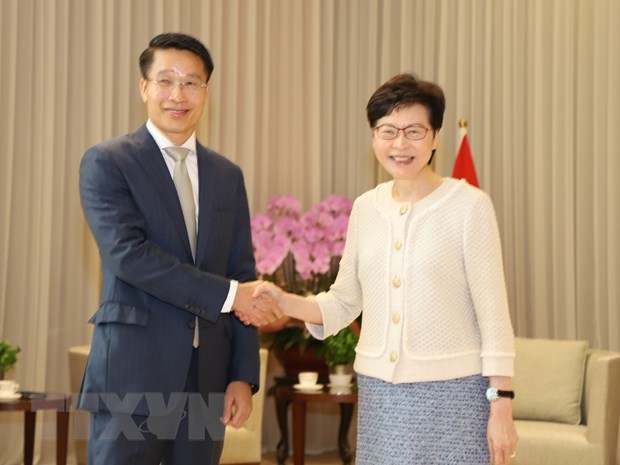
x: 188, y: 206
x: 185, y: 192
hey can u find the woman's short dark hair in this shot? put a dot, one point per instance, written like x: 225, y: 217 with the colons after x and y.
x: 177, y: 41
x: 405, y: 90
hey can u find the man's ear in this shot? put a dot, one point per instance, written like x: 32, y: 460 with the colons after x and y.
x: 143, y: 84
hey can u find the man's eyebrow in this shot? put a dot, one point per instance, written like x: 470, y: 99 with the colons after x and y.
x: 170, y: 71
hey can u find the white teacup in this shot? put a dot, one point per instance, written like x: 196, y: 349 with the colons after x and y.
x: 8, y: 387
x: 308, y: 378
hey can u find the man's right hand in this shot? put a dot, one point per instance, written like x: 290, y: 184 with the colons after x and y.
x: 258, y: 311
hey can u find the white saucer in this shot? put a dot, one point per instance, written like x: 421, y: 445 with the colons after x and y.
x: 308, y: 387
x: 342, y: 386
x: 340, y: 391
x: 14, y: 396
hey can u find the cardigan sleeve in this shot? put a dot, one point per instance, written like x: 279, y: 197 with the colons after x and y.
x: 343, y: 302
x: 485, y: 275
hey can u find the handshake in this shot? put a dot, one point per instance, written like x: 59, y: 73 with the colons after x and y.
x: 257, y: 303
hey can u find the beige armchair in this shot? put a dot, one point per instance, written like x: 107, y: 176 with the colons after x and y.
x: 567, y: 407
x: 244, y: 445
x: 77, y: 363
x: 241, y: 446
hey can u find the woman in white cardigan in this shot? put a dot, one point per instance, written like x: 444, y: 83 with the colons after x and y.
x: 423, y: 263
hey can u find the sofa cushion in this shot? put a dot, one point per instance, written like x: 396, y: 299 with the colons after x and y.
x: 548, y: 379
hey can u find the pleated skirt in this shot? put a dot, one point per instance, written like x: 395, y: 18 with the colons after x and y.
x: 429, y: 423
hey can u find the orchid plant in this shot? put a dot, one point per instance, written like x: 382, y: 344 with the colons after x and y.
x: 299, y: 252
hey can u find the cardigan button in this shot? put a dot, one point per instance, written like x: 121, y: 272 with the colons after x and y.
x: 398, y: 245
x: 395, y: 318
x: 393, y: 357
x: 396, y: 283
x: 403, y: 209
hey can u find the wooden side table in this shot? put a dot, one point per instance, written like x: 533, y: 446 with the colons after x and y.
x: 300, y: 399
x: 59, y: 402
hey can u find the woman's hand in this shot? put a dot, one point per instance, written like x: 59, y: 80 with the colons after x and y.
x: 501, y: 432
x: 268, y: 288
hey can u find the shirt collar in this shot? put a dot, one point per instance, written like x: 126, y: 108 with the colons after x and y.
x: 163, y: 142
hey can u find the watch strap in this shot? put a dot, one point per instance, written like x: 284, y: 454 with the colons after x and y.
x: 509, y: 394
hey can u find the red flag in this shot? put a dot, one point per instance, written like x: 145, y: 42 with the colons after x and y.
x: 464, y: 164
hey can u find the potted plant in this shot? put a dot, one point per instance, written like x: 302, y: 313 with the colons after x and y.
x: 8, y: 357
x: 340, y: 354
x: 300, y: 253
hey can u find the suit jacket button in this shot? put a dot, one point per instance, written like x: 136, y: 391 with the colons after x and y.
x: 191, y: 324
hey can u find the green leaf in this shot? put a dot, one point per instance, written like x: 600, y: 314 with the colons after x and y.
x: 340, y: 348
x: 8, y: 356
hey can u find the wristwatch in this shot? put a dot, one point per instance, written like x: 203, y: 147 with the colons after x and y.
x: 494, y: 394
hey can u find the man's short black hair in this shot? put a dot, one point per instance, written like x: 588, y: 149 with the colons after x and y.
x: 177, y: 41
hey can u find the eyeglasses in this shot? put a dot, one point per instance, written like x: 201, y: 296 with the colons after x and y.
x: 389, y: 132
x: 190, y: 87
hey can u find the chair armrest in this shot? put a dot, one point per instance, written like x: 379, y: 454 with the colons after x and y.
x: 601, y: 400
x: 78, y: 356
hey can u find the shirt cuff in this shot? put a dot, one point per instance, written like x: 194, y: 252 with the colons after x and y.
x: 232, y: 293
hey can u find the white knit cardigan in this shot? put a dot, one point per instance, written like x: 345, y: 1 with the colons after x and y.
x: 429, y: 279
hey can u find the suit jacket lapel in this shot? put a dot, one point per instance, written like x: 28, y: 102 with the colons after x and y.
x: 150, y: 158
x: 206, y: 182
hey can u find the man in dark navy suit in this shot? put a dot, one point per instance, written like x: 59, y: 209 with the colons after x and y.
x: 170, y: 364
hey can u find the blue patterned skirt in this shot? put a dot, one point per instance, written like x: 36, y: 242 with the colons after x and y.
x: 429, y: 423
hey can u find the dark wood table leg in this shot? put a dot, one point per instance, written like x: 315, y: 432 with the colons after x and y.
x: 30, y: 420
x: 299, y: 432
x: 282, y: 416
x: 62, y: 436
x: 346, y: 414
